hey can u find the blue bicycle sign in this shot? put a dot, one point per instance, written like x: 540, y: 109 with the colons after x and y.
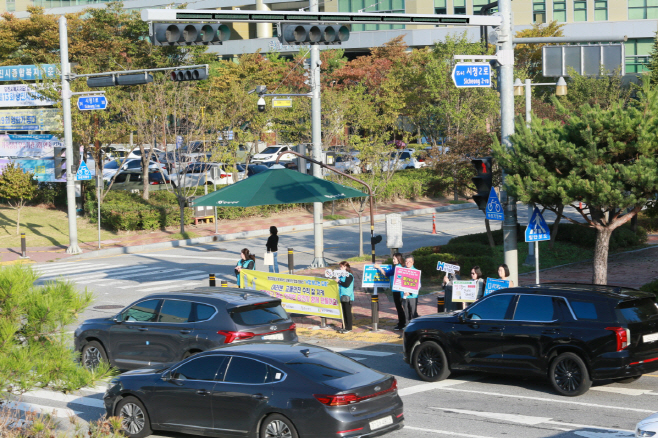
x: 494, y: 209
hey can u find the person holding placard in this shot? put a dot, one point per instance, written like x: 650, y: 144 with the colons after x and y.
x: 247, y: 261
x: 410, y: 300
x: 397, y: 295
x: 447, y: 288
x: 476, y: 275
x: 503, y: 273
x: 346, y: 291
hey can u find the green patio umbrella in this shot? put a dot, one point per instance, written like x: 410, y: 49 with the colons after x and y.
x: 277, y: 186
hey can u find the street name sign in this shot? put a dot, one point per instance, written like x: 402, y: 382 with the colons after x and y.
x: 537, y: 229
x: 472, y: 74
x: 87, y: 103
x: 494, y: 209
x: 83, y: 173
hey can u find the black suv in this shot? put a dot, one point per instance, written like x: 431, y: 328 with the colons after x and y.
x: 571, y: 333
x: 167, y: 327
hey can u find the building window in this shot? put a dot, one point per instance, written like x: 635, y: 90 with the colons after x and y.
x: 638, y: 54
x: 440, y: 7
x: 579, y: 10
x: 477, y: 5
x: 601, y: 10
x: 560, y: 11
x: 460, y: 7
x: 383, y: 6
x: 642, y: 9
x: 539, y: 11
x: 11, y: 5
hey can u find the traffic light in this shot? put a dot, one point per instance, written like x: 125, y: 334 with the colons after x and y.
x: 483, y: 181
x: 76, y: 159
x: 195, y: 74
x: 59, y: 161
x: 114, y: 80
x: 296, y: 34
x: 189, y: 34
x: 375, y: 240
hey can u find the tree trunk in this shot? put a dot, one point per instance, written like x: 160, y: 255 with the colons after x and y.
x: 360, y: 235
x: 489, y: 235
x: 145, y: 177
x: 181, y: 205
x: 601, y: 246
x: 555, y: 226
x: 18, y: 220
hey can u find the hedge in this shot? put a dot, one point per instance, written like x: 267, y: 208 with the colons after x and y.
x: 651, y: 287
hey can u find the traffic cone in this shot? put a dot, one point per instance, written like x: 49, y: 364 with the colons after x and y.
x: 433, y: 223
x: 580, y: 205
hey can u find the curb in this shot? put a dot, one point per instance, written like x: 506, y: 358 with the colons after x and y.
x: 258, y: 233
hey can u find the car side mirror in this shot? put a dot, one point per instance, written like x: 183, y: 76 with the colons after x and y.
x: 461, y: 316
x: 166, y: 376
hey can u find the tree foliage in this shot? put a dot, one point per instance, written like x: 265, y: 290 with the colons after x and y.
x: 17, y: 187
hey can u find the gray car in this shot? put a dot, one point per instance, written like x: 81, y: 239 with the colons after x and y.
x: 167, y: 327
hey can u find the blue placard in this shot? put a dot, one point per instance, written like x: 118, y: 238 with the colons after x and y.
x: 494, y: 284
x: 373, y: 278
x: 537, y: 229
x: 472, y: 74
x: 83, y: 173
x: 29, y: 72
x: 86, y: 103
x: 494, y: 209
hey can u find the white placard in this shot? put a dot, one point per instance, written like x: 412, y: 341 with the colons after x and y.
x: 464, y: 291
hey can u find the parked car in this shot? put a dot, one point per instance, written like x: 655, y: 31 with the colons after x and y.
x: 168, y: 327
x: 404, y: 159
x: 137, y: 153
x: 133, y: 180
x: 198, y: 174
x: 252, y: 169
x: 648, y: 427
x: 570, y: 333
x: 348, y: 162
x: 111, y: 168
x: 267, y: 390
x: 270, y: 154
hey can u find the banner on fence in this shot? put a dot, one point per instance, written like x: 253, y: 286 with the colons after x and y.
x: 464, y: 291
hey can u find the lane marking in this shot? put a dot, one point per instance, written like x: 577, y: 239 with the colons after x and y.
x: 27, y: 407
x: 172, y: 278
x: 66, y: 398
x: 438, y: 385
x: 170, y: 285
x: 233, y: 259
x: 128, y: 277
x: 120, y: 271
x: 624, y: 391
x: 445, y: 432
x: 590, y: 434
x: 63, y: 272
x: 51, y: 267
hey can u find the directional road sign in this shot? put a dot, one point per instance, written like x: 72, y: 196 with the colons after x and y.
x: 537, y: 229
x: 83, y: 172
x: 86, y: 103
x: 472, y: 74
x: 494, y: 209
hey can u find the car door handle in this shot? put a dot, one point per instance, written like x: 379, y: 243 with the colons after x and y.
x: 550, y: 331
x: 186, y: 331
x: 142, y: 329
x: 202, y: 392
x: 260, y: 397
x: 495, y: 329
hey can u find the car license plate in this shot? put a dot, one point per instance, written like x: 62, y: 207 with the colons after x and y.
x: 381, y: 423
x: 650, y: 338
x: 275, y: 337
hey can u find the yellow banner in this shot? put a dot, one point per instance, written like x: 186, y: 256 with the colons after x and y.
x: 298, y: 293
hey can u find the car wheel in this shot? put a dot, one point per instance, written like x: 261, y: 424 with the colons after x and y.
x: 568, y: 375
x: 430, y: 362
x: 277, y: 426
x: 135, y: 421
x: 93, y: 354
x: 629, y: 379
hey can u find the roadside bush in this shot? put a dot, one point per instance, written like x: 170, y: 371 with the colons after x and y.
x: 468, y: 249
x: 651, y: 287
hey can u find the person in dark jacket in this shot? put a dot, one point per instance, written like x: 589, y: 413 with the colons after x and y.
x: 247, y: 261
x: 398, y: 260
x: 346, y: 289
x: 272, y: 246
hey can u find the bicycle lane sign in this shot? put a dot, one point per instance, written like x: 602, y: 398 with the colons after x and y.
x: 494, y: 209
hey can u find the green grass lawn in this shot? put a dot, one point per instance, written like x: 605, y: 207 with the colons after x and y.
x: 44, y: 227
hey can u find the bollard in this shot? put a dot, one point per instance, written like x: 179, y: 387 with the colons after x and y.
x: 448, y: 305
x: 433, y: 223
x: 440, y: 303
x: 374, y: 304
x: 291, y: 261
x: 211, y: 280
x: 224, y: 283
x: 23, y: 247
x: 323, y: 322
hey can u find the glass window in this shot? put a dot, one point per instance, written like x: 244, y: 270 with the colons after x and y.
x: 243, y: 370
x: 111, y: 165
x: 460, y: 7
x: 491, y: 308
x: 477, y: 5
x: 385, y: 6
x: 601, y: 10
x: 320, y: 367
x: 539, y: 11
x: 535, y: 308
x: 639, y: 310
x: 134, y: 164
x: 175, y: 311
x: 642, y: 9
x: 146, y: 311
x: 202, y: 368
x: 135, y: 177
x: 595, y: 311
x: 204, y: 312
x: 579, y: 10
x: 259, y: 314
x: 638, y: 54
x: 584, y: 310
x: 440, y: 7
x: 121, y: 178
x: 560, y: 11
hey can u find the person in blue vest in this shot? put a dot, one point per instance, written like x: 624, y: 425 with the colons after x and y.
x: 409, y: 299
x: 346, y: 289
x: 247, y: 261
x: 397, y: 295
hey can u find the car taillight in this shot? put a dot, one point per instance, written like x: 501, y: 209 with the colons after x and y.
x: 623, y: 336
x: 293, y: 326
x: 348, y: 399
x: 154, y: 183
x: 223, y: 175
x: 230, y: 336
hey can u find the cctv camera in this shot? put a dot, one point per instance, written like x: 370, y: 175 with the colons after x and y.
x: 261, y: 105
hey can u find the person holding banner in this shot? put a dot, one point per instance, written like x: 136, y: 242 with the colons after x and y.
x: 346, y: 291
x: 503, y: 273
x: 476, y: 275
x: 410, y: 300
x: 397, y: 295
x: 247, y: 261
x: 447, y: 289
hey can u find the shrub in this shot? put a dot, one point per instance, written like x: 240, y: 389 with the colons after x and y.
x: 427, y: 263
x: 468, y: 249
x: 651, y: 287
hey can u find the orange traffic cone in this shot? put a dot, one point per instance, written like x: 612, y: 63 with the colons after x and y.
x: 433, y: 223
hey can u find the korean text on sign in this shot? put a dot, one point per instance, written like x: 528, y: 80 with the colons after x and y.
x: 406, y: 280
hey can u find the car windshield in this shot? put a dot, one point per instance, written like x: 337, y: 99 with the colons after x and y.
x: 639, y: 310
x: 270, y: 150
x: 111, y: 165
x: 196, y: 168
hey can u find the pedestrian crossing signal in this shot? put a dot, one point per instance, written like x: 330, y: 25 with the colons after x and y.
x: 483, y: 181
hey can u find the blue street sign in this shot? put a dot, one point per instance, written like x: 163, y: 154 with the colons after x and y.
x: 494, y: 209
x: 83, y: 173
x: 29, y: 72
x: 86, y: 103
x: 472, y: 74
x: 537, y: 229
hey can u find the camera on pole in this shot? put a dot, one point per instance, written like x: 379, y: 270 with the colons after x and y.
x: 189, y: 34
x: 297, y: 34
x: 114, y: 80
x: 483, y: 181
x: 261, y: 105
x: 196, y: 74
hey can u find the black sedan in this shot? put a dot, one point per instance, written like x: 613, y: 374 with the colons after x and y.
x: 265, y: 390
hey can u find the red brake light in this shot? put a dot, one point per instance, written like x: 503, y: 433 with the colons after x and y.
x: 223, y: 175
x: 154, y: 183
x: 293, y: 326
x: 348, y: 399
x: 623, y: 336
x: 230, y: 336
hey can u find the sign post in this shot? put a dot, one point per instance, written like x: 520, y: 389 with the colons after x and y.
x: 537, y: 231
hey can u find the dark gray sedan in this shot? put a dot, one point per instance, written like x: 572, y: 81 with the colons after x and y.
x: 265, y: 390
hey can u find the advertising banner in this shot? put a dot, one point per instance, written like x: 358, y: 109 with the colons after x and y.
x: 43, y: 170
x: 28, y: 145
x: 464, y: 291
x: 494, y: 285
x: 37, y: 119
x: 22, y: 95
x: 298, y: 293
x: 373, y: 278
x: 29, y: 72
x: 406, y: 280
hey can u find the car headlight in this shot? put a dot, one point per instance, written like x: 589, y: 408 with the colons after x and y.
x: 644, y: 433
x: 111, y: 384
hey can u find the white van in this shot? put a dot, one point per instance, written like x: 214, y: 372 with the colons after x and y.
x: 270, y: 154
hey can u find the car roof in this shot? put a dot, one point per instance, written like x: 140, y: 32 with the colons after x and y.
x: 231, y: 295
x: 582, y: 290
x: 279, y: 351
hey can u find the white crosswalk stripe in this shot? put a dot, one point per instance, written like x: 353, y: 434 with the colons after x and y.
x: 170, y: 278
x: 66, y: 398
x: 67, y: 271
x: 129, y: 274
x: 59, y: 266
x: 174, y: 283
x: 103, y: 271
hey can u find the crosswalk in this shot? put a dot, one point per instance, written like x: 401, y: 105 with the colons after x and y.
x: 140, y: 278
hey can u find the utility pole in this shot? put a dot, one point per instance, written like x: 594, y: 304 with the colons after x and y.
x: 316, y: 129
x: 68, y: 136
x: 506, y: 81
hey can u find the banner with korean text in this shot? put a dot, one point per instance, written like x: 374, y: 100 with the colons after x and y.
x: 406, y: 280
x: 464, y: 291
x: 33, y: 119
x: 22, y: 95
x: 298, y: 293
x: 37, y: 145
